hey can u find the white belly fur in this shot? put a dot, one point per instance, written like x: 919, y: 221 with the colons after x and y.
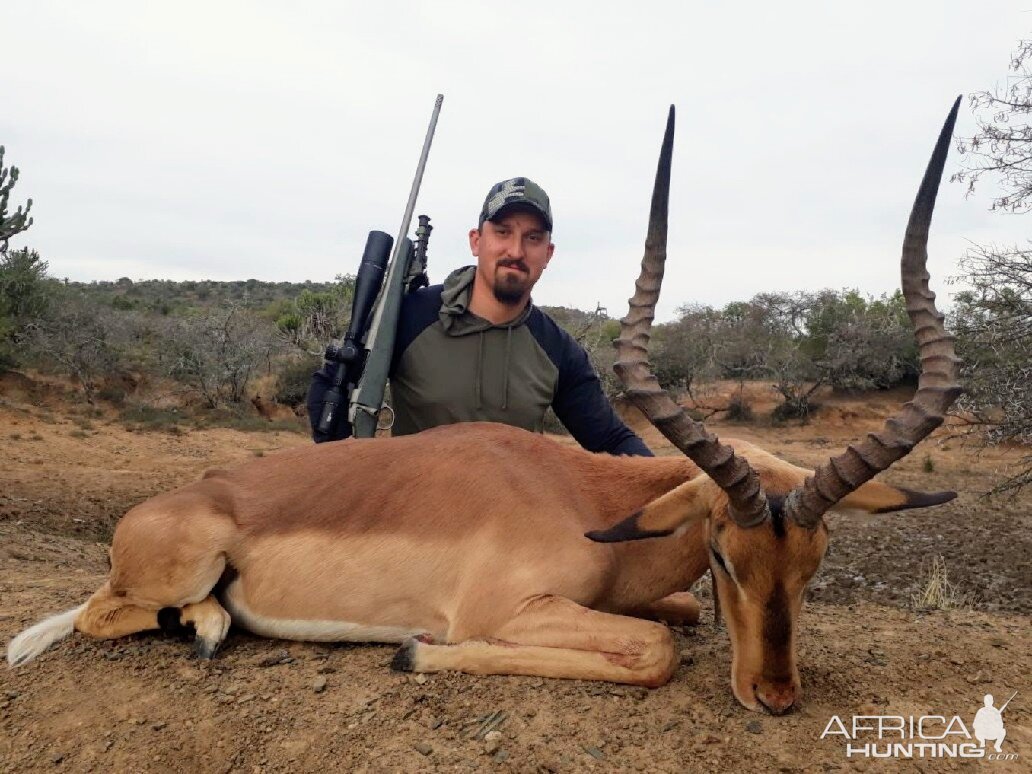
x: 310, y: 630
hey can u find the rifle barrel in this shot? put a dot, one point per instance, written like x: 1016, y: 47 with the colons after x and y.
x: 410, y: 206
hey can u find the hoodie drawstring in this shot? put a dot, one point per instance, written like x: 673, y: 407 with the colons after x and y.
x: 478, y: 378
x: 505, y: 372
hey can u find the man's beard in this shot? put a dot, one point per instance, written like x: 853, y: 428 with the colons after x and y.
x: 509, y: 287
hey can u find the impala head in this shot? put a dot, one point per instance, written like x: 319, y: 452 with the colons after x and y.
x: 760, y: 574
x: 765, y: 532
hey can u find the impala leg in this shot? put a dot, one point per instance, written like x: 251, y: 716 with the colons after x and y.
x: 164, y: 565
x: 107, y: 616
x: 678, y: 609
x: 210, y: 622
x: 555, y: 637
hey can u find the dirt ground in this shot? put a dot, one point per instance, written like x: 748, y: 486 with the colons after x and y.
x: 143, y: 703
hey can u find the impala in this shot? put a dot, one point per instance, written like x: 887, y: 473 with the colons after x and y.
x: 491, y: 550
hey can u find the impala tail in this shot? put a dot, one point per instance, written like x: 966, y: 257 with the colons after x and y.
x: 36, y: 639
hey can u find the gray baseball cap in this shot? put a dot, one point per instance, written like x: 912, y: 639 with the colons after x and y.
x: 516, y: 192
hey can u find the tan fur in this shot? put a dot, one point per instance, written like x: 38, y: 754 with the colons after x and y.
x: 678, y: 609
x: 767, y: 566
x: 688, y: 503
x: 470, y: 536
x: 761, y: 595
x: 555, y: 637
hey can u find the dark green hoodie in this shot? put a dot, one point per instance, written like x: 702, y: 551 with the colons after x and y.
x: 452, y: 366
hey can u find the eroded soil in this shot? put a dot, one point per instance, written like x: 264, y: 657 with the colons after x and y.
x: 144, y: 704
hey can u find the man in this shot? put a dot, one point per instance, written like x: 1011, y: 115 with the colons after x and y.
x: 477, y: 349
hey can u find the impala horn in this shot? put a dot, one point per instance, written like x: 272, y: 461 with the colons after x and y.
x: 937, y: 385
x: 748, y: 505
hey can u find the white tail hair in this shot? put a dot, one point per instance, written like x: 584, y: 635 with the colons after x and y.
x: 36, y: 639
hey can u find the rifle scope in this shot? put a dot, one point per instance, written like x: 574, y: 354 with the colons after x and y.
x: 350, y: 354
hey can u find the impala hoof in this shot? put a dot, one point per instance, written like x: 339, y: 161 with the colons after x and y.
x: 777, y: 699
x: 405, y: 659
x: 205, y: 649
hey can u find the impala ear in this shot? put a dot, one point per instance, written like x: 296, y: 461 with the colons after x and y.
x: 876, y: 497
x: 688, y: 503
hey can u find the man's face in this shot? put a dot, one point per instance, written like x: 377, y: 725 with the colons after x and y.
x: 511, y: 254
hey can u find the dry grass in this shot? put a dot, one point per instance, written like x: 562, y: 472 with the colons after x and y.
x: 937, y: 592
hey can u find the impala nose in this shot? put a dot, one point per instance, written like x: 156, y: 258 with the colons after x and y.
x: 776, y: 697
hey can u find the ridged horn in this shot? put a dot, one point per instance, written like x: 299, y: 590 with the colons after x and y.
x: 937, y: 385
x: 748, y: 505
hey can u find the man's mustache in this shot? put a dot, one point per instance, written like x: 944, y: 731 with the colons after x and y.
x: 515, y: 264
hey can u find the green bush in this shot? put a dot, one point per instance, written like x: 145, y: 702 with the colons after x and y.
x: 25, y: 299
x: 148, y: 418
x: 740, y: 410
x: 112, y: 393
x: 238, y: 419
x: 293, y: 377
x: 794, y: 407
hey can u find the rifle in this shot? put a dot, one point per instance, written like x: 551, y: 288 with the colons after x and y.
x: 363, y: 358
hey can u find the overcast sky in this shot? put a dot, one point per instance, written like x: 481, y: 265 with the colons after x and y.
x: 230, y: 140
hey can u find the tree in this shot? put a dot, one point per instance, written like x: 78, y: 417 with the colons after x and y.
x: 744, y: 338
x: 217, y: 351
x: 803, y: 341
x: 682, y: 351
x: 314, y: 318
x: 859, y: 343
x: 25, y: 293
x: 993, y: 319
x: 1002, y: 147
x: 81, y: 338
x: 993, y: 323
x: 10, y: 223
x: 23, y: 274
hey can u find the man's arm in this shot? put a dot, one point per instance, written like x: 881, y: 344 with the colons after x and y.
x: 580, y: 402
